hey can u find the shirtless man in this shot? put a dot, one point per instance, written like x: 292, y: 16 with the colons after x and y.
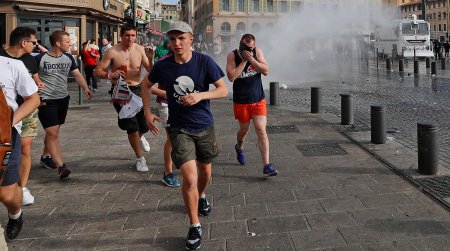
x: 130, y: 56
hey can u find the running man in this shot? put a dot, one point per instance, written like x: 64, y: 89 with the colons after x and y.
x: 187, y: 76
x: 54, y: 68
x: 130, y: 56
x: 244, y: 68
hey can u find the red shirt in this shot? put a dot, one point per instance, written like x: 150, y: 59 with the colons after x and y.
x: 88, y: 59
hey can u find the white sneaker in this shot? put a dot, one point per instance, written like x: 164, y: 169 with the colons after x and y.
x: 145, y: 144
x: 141, y: 165
x: 27, y: 198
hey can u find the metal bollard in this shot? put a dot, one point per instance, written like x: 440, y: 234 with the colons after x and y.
x: 427, y: 148
x: 388, y: 64
x: 377, y: 125
x: 274, y: 93
x: 346, y: 109
x: 377, y: 58
x: 80, y: 96
x: 416, y: 66
x: 427, y: 63
x: 400, y: 65
x: 316, y: 100
x: 442, y: 63
x: 433, y: 68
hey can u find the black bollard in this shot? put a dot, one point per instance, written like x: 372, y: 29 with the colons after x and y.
x: 316, y: 100
x: 442, y: 63
x: 433, y: 68
x: 427, y: 63
x: 346, y: 109
x: 427, y: 148
x: 274, y: 93
x: 416, y: 66
x: 377, y: 125
x: 388, y: 64
x: 400, y: 65
x: 377, y: 58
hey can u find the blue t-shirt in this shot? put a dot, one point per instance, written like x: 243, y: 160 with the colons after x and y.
x: 181, y: 79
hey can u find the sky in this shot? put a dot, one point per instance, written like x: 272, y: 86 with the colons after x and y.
x: 169, y: 1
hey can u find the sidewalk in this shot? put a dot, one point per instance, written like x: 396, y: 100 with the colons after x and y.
x: 322, y: 201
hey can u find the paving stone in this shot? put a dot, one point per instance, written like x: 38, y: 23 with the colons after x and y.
x: 329, y: 220
x: 218, y: 214
x: 263, y: 242
x: 382, y: 200
x: 134, y: 207
x: 176, y: 235
x: 345, y: 248
x: 130, y: 238
x: 321, y: 182
x: 226, y: 230
x: 322, y: 193
x: 317, y: 239
x: 295, y: 207
x: 270, y: 196
x: 240, y: 188
x: 287, y: 183
x: 391, y: 188
x: 376, y: 215
x: 357, y: 180
x: 19, y: 245
x: 402, y: 245
x: 432, y: 243
x: 277, y: 224
x: 424, y: 211
x: 405, y: 229
x: 366, y: 234
x: 154, y: 219
x: 99, y: 225
x: 72, y: 242
x: 351, y: 190
x: 228, y: 200
x: 250, y: 212
x: 341, y: 204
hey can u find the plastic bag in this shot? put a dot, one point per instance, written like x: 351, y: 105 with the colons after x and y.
x: 132, y: 108
x: 121, y: 94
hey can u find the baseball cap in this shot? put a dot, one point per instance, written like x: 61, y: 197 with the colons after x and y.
x: 180, y: 26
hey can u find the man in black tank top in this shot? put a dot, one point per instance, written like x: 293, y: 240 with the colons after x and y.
x: 244, y: 68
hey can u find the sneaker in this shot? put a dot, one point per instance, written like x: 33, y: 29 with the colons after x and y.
x: 269, y: 170
x: 141, y: 165
x: 170, y: 180
x: 145, y: 144
x: 48, y: 162
x: 194, y: 238
x: 14, y: 227
x: 27, y: 198
x: 203, y: 207
x: 63, y: 171
x: 240, y: 155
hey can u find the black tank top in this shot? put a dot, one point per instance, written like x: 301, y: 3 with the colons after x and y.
x: 247, y: 87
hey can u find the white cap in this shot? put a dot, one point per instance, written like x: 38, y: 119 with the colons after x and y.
x: 180, y: 26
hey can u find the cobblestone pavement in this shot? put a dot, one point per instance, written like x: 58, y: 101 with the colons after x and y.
x: 348, y: 201
x: 408, y: 99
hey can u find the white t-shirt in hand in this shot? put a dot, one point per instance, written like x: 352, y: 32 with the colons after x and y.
x: 15, y: 79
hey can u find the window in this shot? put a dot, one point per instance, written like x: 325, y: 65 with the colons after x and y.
x: 296, y: 6
x: 224, y: 5
x: 269, y: 5
x: 255, y: 5
x: 283, y: 6
x: 240, y: 5
x: 445, y: 27
x: 240, y: 28
x: 440, y: 27
x: 225, y: 27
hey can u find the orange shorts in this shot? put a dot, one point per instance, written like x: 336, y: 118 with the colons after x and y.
x: 244, y: 112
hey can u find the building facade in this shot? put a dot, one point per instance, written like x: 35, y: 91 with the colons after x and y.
x: 436, y: 13
x: 169, y: 12
x: 83, y: 19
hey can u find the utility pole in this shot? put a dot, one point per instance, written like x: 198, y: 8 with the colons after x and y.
x: 133, y: 9
x: 424, y: 5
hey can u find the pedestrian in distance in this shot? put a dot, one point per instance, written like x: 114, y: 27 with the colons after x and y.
x: 187, y: 76
x: 446, y: 47
x: 244, y: 68
x: 125, y: 60
x: 55, y: 66
x: 90, y: 60
x: 22, y: 41
x: 106, y: 45
x: 15, y: 79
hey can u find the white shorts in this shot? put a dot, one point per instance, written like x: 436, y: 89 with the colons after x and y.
x: 163, y: 113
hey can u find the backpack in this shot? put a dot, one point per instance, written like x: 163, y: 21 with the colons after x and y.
x: 6, y: 118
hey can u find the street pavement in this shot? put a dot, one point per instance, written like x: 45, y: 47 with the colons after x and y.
x: 332, y: 196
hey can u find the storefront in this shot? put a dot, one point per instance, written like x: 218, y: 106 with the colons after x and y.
x: 82, y: 19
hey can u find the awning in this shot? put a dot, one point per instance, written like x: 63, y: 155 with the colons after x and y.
x: 156, y: 33
x: 43, y: 8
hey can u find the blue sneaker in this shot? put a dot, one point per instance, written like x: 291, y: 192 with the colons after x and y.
x: 240, y: 155
x: 170, y: 180
x: 48, y: 162
x: 269, y: 170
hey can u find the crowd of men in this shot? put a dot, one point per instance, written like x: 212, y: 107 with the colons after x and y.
x: 36, y: 88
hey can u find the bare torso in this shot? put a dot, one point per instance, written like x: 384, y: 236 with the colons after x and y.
x: 131, y: 58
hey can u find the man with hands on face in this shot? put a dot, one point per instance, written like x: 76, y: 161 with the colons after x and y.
x: 244, y: 68
x: 186, y: 77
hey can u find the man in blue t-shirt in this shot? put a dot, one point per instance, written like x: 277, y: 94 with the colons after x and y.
x: 244, y: 68
x: 186, y: 76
